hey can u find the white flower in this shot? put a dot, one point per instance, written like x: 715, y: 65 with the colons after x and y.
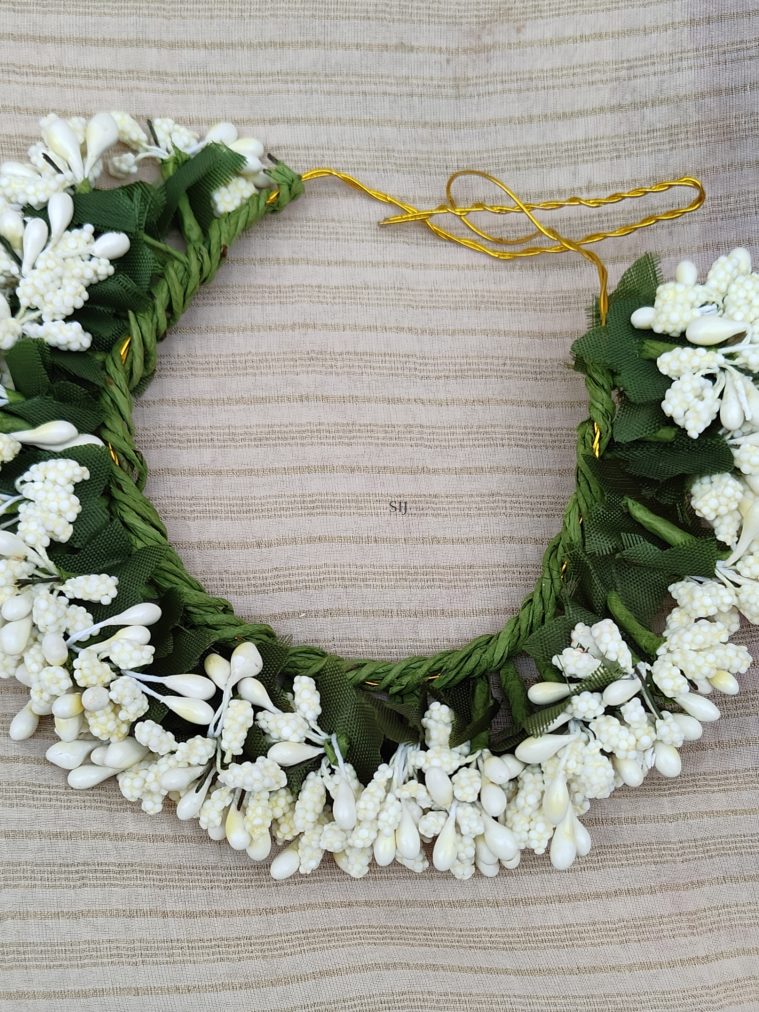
x: 718, y: 498
x: 711, y: 316
x: 692, y: 402
x: 55, y: 275
x: 237, y: 721
x: 154, y: 737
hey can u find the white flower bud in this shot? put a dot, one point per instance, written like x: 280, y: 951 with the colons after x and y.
x: 100, y: 134
x: 407, y: 840
x: 12, y: 227
x: 84, y: 777
x: 384, y: 849
x: 123, y: 754
x: 24, y: 724
x: 285, y: 864
x: 344, y: 805
x: 500, y: 839
x: 260, y: 847
x: 686, y: 273
x: 190, y: 686
x: 16, y: 607
x: 62, y: 141
x: 68, y: 705
x: 217, y: 668
x: 502, y: 768
x: 582, y: 838
x: 493, y: 799
x: 221, y: 133
x: 643, y: 318
x: 15, y: 635
x: 706, y: 331
x: 630, y: 772
x: 556, y: 799
x: 446, y: 846
x: 110, y: 245
x: 291, y: 753
x: 621, y: 691
x: 69, y: 728
x: 245, y: 661
x: 95, y: 698
x: 697, y: 706
x: 180, y: 779
x: 255, y: 692
x: 60, y: 211
x: 690, y: 727
x: 563, y: 844
x: 35, y: 237
x: 545, y: 693
x: 69, y: 754
x: 723, y: 681
x: 195, y: 711
x: 439, y: 785
x: 537, y: 750
x: 51, y: 434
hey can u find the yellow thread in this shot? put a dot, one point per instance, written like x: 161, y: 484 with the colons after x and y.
x: 114, y: 455
x: 560, y: 242
x: 124, y: 349
x: 272, y: 196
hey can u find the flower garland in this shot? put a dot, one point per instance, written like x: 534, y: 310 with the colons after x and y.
x: 455, y: 759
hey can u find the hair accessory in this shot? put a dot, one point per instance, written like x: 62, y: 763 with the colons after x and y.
x: 460, y: 759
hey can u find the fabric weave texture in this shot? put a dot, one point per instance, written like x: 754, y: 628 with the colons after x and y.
x: 332, y: 368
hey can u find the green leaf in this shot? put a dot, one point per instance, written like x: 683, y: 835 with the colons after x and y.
x: 83, y: 366
x: 28, y: 362
x: 709, y: 454
x: 639, y: 282
x: 133, y: 207
x: 637, y: 421
x: 105, y: 327
x: 515, y: 691
x: 347, y: 711
x: 107, y: 549
x: 482, y: 708
x: 694, y: 557
x: 390, y: 722
x: 188, y: 646
x: 551, y: 638
x: 119, y: 292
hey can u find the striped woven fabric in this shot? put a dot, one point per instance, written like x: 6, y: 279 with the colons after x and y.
x: 333, y: 368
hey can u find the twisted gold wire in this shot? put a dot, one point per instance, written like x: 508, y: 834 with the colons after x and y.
x: 561, y: 243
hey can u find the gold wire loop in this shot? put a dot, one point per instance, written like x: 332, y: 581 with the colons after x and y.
x: 559, y: 243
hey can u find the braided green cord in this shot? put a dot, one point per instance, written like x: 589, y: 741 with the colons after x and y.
x: 171, y: 294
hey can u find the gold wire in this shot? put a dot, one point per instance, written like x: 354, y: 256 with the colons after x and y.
x: 560, y: 242
x: 124, y: 349
x: 596, y: 439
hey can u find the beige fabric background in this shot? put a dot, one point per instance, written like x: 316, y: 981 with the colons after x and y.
x: 333, y: 367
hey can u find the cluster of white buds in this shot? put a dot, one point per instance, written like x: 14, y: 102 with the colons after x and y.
x: 70, y: 151
x: 712, y: 375
x: 696, y: 655
x: 169, y: 137
x: 45, y: 507
x: 54, y: 268
x: 456, y: 809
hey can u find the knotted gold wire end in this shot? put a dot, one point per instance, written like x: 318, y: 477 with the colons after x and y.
x: 559, y: 243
